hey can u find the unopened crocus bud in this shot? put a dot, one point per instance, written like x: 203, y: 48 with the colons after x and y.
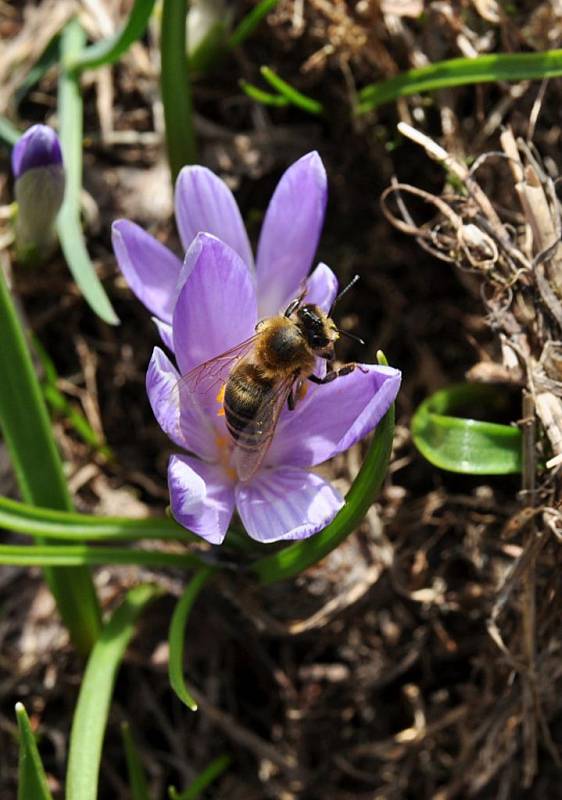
x: 39, y: 190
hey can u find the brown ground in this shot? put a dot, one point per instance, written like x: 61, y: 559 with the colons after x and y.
x: 381, y: 674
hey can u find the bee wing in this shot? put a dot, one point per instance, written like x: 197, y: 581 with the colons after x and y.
x: 197, y: 393
x: 248, y: 459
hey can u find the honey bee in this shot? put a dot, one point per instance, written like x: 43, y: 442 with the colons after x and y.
x: 257, y: 377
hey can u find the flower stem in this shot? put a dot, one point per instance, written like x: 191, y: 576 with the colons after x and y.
x: 175, y: 86
x: 27, y: 432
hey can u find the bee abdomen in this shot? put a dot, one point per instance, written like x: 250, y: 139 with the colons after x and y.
x: 245, y: 398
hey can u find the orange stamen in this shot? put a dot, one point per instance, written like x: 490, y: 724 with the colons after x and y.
x: 224, y: 445
x: 220, y: 399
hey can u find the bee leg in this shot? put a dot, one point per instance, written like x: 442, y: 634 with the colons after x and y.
x: 333, y: 374
x: 291, y: 401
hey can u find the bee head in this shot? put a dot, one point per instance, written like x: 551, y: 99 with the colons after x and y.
x: 317, y: 328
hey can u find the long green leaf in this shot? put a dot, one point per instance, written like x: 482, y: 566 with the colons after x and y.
x: 137, y: 777
x: 68, y: 224
x: 297, y: 557
x: 291, y: 94
x: 45, y: 555
x: 176, y: 636
x: 92, y: 709
x: 462, y: 445
x: 27, y: 432
x: 32, y: 782
x: 175, y: 87
x: 70, y: 526
x: 202, y: 781
x: 111, y: 49
x: 250, y: 22
x: 462, y: 71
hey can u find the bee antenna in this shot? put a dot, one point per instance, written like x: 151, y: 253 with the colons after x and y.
x: 344, y: 291
x: 349, y: 335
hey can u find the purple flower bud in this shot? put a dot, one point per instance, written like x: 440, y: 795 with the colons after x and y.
x: 39, y: 190
x: 38, y: 147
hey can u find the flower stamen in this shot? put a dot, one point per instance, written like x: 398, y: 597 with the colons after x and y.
x: 224, y: 448
x: 220, y: 399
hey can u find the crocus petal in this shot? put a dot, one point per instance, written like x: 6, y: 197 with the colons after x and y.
x: 334, y: 416
x: 186, y: 427
x: 38, y: 147
x: 201, y: 498
x: 290, y: 233
x: 150, y: 269
x: 216, y: 308
x: 286, y: 503
x: 166, y: 333
x: 322, y: 287
x: 205, y: 204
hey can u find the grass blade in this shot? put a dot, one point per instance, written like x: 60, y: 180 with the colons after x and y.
x: 92, y: 709
x: 202, y: 781
x: 176, y: 636
x: 260, y: 96
x: 250, y: 22
x: 111, y: 49
x: 175, y: 87
x: 68, y: 225
x: 292, y: 95
x: 137, y: 778
x: 27, y: 432
x: 44, y: 555
x: 467, y: 446
x: 32, y: 782
x: 460, y: 72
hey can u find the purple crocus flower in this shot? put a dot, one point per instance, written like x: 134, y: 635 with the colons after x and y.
x: 210, y: 304
x: 39, y: 190
x: 204, y: 203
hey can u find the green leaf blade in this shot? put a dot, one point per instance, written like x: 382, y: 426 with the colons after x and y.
x: 175, y: 87
x: 250, y: 22
x: 461, y: 72
x: 260, y: 96
x: 137, y: 777
x: 466, y: 446
x: 110, y: 50
x: 203, y: 780
x: 32, y: 781
x: 291, y: 94
x: 33, y: 453
x: 68, y: 223
x: 42, y: 555
x: 92, y: 709
x: 176, y: 636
